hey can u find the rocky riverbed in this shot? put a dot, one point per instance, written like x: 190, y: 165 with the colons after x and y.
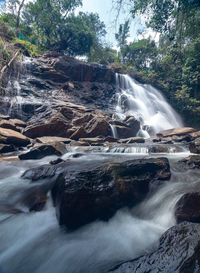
x: 90, y: 187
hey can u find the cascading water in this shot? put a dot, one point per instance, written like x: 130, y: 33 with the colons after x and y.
x: 146, y: 104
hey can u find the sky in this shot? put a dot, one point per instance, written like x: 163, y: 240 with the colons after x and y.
x: 108, y: 14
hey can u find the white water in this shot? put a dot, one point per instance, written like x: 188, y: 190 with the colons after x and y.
x: 114, y: 131
x: 146, y: 104
x: 33, y: 242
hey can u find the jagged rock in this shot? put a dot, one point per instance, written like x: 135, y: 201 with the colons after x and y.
x: 42, y: 150
x: 8, y: 136
x: 55, y: 126
x: 126, y: 132
x: 178, y: 252
x: 195, y: 146
x: 176, y: 132
x: 195, y: 134
x: 18, y: 122
x: 6, y: 148
x: 98, y: 127
x: 81, y: 71
x: 46, y: 140
x: 9, y: 124
x: 191, y: 162
x: 188, y: 208
x: 79, y: 133
x: 85, y: 194
x: 81, y: 120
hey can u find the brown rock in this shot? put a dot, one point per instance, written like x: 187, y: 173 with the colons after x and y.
x: 176, y: 131
x: 133, y: 140
x: 54, y: 127
x: 46, y: 140
x: 188, y: 208
x: 8, y: 136
x: 79, y: 133
x: 41, y: 150
x: 18, y: 123
x: 84, y: 119
x: 8, y: 124
x: 98, y: 127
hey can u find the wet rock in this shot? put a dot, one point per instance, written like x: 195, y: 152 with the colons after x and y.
x: 191, y: 162
x: 6, y: 148
x: 55, y: 126
x: 195, y: 146
x: 42, y: 150
x: 79, y: 133
x: 178, y: 252
x: 188, y: 208
x: 98, y: 127
x: 109, y: 139
x: 46, y: 140
x: 79, y: 143
x: 93, y: 140
x: 12, y: 137
x: 81, y: 120
x: 125, y: 131
x: 133, y: 140
x: 18, y: 123
x: 9, y: 124
x: 84, y: 195
x: 57, y: 161
x: 81, y: 71
x: 176, y: 132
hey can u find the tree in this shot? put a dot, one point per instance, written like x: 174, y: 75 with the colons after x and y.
x: 55, y: 26
x: 140, y: 54
x: 15, y: 8
x: 122, y: 35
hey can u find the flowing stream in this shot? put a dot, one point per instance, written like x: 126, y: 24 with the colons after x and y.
x: 34, y: 243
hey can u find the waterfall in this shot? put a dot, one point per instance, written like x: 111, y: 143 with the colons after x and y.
x: 146, y: 104
x: 114, y: 131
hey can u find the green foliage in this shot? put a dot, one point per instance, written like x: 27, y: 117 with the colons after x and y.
x: 174, y: 64
x: 32, y: 49
x: 55, y: 26
x: 103, y: 55
x: 140, y: 54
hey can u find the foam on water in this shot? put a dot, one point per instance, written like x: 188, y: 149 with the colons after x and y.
x: 146, y: 104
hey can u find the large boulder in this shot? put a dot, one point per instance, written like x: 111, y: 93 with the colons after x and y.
x: 55, y: 126
x: 84, y: 195
x: 188, y: 208
x: 12, y: 137
x: 41, y: 150
x: 98, y: 127
x: 178, y: 252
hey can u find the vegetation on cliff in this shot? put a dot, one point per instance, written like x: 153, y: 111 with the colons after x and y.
x: 172, y: 64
